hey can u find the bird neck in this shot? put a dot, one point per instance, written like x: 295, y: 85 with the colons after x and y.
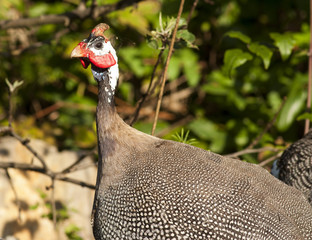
x: 107, y: 118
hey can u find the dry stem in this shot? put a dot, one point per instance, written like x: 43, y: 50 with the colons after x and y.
x: 164, y: 76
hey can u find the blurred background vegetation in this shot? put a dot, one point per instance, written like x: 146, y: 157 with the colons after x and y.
x: 226, y: 80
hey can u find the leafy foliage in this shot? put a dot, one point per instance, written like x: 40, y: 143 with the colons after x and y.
x: 183, y: 137
x: 72, y: 231
x: 232, y: 66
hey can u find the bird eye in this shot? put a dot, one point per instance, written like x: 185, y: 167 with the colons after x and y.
x: 98, y: 45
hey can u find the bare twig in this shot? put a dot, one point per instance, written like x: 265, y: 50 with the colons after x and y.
x: 164, y: 76
x: 61, y: 104
x: 248, y: 151
x: 191, y: 12
x: 73, y: 166
x: 142, y: 100
x: 76, y: 182
x: 79, y: 13
x: 10, y: 109
x: 270, y: 159
x: 51, y: 174
x: 18, y: 202
x: 25, y: 142
x: 268, y: 126
x: 55, y: 38
x: 53, y: 203
x: 182, y: 122
x: 307, y: 121
x: 11, y: 89
x: 5, y: 130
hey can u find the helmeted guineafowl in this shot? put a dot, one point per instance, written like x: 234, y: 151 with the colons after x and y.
x: 294, y: 167
x: 149, y: 188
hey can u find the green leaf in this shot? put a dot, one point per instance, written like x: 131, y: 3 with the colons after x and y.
x: 33, y: 207
x: 234, y: 58
x: 207, y: 130
x: 174, y: 67
x: 305, y: 116
x: 293, y: 104
x: 215, y: 89
x: 190, y: 66
x: 263, y: 52
x: 186, y: 35
x: 284, y: 42
x: 235, y: 98
x: 38, y: 9
x: 15, y: 85
x: 302, y: 38
x: 153, y: 44
x: 235, y: 34
x: 170, y: 24
x: 183, y: 137
x: 242, y: 138
x: 291, y: 108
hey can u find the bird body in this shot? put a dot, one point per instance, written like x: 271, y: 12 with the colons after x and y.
x: 294, y: 167
x: 149, y: 188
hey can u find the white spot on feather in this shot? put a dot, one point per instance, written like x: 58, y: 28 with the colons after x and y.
x: 113, y: 71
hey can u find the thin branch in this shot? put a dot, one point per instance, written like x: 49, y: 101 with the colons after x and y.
x: 182, y: 122
x: 270, y: 159
x: 55, y: 38
x: 51, y: 174
x: 81, y: 12
x: 5, y: 130
x: 10, y: 109
x: 191, y: 12
x: 73, y: 166
x: 25, y: 142
x: 248, y: 151
x: 268, y: 126
x: 308, y: 108
x: 142, y: 100
x: 18, y: 202
x: 53, y: 202
x: 76, y: 182
x: 164, y: 76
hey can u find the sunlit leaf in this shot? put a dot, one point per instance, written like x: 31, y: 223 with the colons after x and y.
x: 305, y: 116
x: 234, y: 58
x: 38, y: 9
x: 284, y: 42
x: 290, y: 110
x: 188, y: 37
x: 208, y: 130
x: 229, y: 14
x: 302, y: 38
x: 153, y: 44
x: 174, y: 68
x: 293, y: 104
x: 190, y: 66
x: 263, y: 52
x: 235, y: 34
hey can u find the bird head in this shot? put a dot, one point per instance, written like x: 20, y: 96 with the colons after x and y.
x: 96, y: 49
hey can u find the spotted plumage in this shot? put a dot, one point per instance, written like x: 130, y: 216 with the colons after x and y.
x: 295, y: 165
x: 149, y: 188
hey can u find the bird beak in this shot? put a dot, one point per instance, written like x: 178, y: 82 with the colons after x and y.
x: 81, y: 52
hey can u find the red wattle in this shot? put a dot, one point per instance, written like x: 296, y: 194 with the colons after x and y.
x: 104, y: 61
x: 84, y: 63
